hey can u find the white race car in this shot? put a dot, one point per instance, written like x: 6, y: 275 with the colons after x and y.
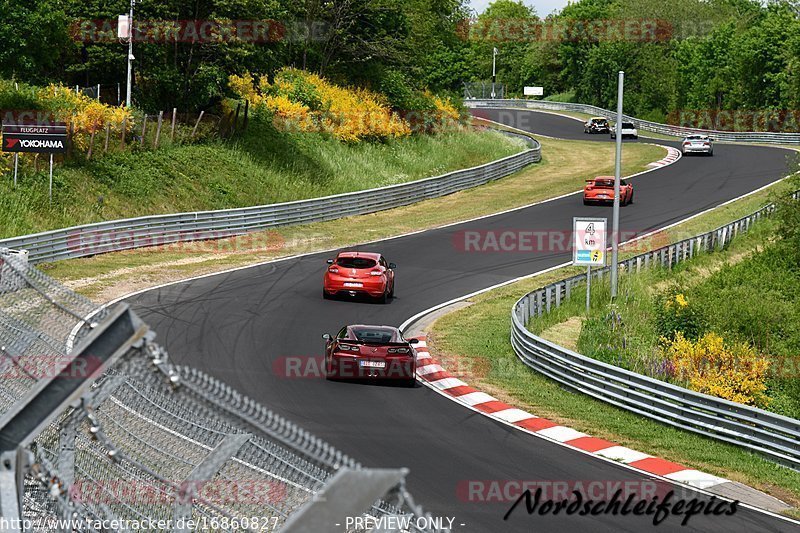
x: 697, y: 144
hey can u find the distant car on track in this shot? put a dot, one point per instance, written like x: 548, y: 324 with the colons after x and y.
x: 697, y: 144
x: 600, y: 190
x: 359, y: 273
x: 596, y: 125
x: 370, y: 352
x: 628, y: 130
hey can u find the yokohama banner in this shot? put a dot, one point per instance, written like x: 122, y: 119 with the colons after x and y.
x: 35, y: 138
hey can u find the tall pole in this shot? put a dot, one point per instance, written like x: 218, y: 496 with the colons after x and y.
x: 617, y: 172
x: 130, y: 55
x: 494, y: 70
x: 50, y: 189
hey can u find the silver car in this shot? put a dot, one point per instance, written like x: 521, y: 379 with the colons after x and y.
x: 697, y: 144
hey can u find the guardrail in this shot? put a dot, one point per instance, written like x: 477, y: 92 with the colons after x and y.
x: 116, y: 235
x: 770, y: 434
x: 146, y: 441
x: 646, y: 125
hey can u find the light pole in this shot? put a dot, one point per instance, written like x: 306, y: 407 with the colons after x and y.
x: 617, y: 172
x: 494, y: 70
x: 130, y: 56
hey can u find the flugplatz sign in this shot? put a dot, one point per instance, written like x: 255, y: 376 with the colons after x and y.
x: 35, y: 138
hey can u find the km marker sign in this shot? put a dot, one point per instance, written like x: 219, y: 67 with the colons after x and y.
x: 37, y: 139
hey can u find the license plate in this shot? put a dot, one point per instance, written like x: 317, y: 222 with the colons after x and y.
x: 373, y: 364
x: 602, y: 196
x: 352, y: 284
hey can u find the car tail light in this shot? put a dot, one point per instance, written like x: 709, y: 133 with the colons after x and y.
x: 375, y: 273
x: 686, y: 143
x: 398, y: 350
x: 333, y: 270
x: 348, y: 348
x: 706, y: 144
x: 588, y: 187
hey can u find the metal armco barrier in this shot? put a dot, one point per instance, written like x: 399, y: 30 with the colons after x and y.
x: 646, y: 125
x: 116, y: 235
x: 774, y: 436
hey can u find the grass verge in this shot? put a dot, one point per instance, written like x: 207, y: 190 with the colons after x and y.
x: 476, y: 337
x: 564, y: 166
x: 263, y: 166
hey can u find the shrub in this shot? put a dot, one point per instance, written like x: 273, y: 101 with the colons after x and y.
x: 300, y: 101
x: 674, y: 315
x: 733, y: 371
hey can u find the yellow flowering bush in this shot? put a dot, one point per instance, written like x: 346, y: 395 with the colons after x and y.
x: 446, y: 111
x: 733, y: 371
x: 674, y: 314
x: 86, y: 114
x: 306, y: 102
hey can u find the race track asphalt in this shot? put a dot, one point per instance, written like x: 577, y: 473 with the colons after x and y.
x: 239, y: 326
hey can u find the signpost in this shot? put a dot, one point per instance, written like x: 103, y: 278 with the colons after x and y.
x: 533, y: 91
x: 589, y: 247
x: 35, y: 139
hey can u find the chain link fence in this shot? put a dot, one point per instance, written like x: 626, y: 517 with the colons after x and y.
x: 146, y: 441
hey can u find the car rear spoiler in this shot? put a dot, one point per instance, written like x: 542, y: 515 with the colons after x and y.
x: 366, y: 343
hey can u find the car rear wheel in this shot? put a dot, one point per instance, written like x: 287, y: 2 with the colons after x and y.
x: 391, y: 293
x: 410, y: 383
x: 384, y: 298
x: 630, y: 199
x: 325, y: 295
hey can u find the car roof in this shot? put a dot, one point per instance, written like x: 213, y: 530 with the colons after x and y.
x: 598, y: 118
x: 366, y: 255
x: 696, y: 136
x: 603, y: 178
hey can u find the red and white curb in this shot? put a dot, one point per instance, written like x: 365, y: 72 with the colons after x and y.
x: 437, y: 377
x: 673, y: 154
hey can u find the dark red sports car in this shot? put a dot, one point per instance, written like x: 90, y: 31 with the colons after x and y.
x: 359, y: 273
x: 370, y: 352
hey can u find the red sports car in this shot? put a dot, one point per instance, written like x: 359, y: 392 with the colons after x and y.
x: 359, y: 273
x: 600, y: 190
x: 370, y: 352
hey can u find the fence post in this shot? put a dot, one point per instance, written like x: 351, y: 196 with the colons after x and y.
x: 172, y: 132
x: 91, y: 145
x: 197, y: 123
x: 144, y: 129
x: 158, y: 129
x: 108, y: 131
